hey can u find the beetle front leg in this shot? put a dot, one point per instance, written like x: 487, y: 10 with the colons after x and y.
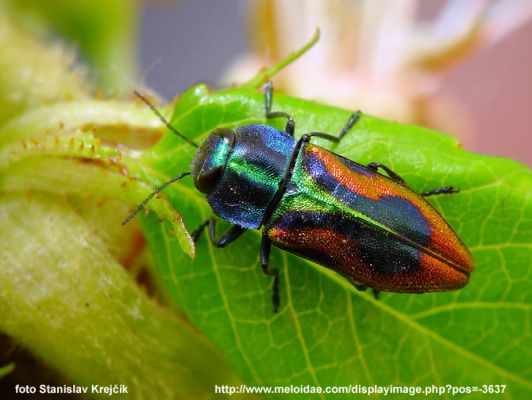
x: 268, y: 98
x: 231, y: 235
x: 375, y: 166
x: 265, y: 246
x: 441, y: 190
x: 196, y: 233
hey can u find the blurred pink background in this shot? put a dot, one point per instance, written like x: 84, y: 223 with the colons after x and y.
x: 495, y: 88
x: 492, y: 88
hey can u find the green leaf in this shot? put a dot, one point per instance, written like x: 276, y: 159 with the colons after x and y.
x: 326, y: 332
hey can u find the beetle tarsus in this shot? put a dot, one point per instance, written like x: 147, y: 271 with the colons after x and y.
x: 196, y: 233
x: 265, y: 246
x: 231, y: 235
x: 350, y: 122
x: 336, y: 139
x: 268, y: 98
x: 441, y: 190
x: 363, y: 288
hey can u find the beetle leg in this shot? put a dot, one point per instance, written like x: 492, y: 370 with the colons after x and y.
x: 363, y: 288
x: 352, y: 120
x: 231, y: 235
x: 196, y: 233
x: 441, y: 190
x: 306, y: 137
x: 360, y: 287
x: 375, y: 166
x: 264, y: 261
x: 268, y: 97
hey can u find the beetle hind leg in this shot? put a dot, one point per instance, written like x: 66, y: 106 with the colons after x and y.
x: 265, y: 246
x: 363, y: 288
x: 441, y: 190
x: 375, y: 167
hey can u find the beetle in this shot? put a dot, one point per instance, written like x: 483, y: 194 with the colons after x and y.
x: 368, y: 226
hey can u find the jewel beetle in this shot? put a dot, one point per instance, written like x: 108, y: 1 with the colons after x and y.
x: 368, y: 226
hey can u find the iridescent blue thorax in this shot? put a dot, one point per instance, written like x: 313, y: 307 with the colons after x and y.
x: 241, y: 171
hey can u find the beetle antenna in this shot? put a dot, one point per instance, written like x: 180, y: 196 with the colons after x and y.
x: 157, y: 190
x: 164, y: 120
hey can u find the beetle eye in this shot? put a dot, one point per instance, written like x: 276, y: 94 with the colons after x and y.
x: 208, y: 164
x: 206, y: 180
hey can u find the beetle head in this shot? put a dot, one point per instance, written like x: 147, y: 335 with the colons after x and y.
x: 209, y: 162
